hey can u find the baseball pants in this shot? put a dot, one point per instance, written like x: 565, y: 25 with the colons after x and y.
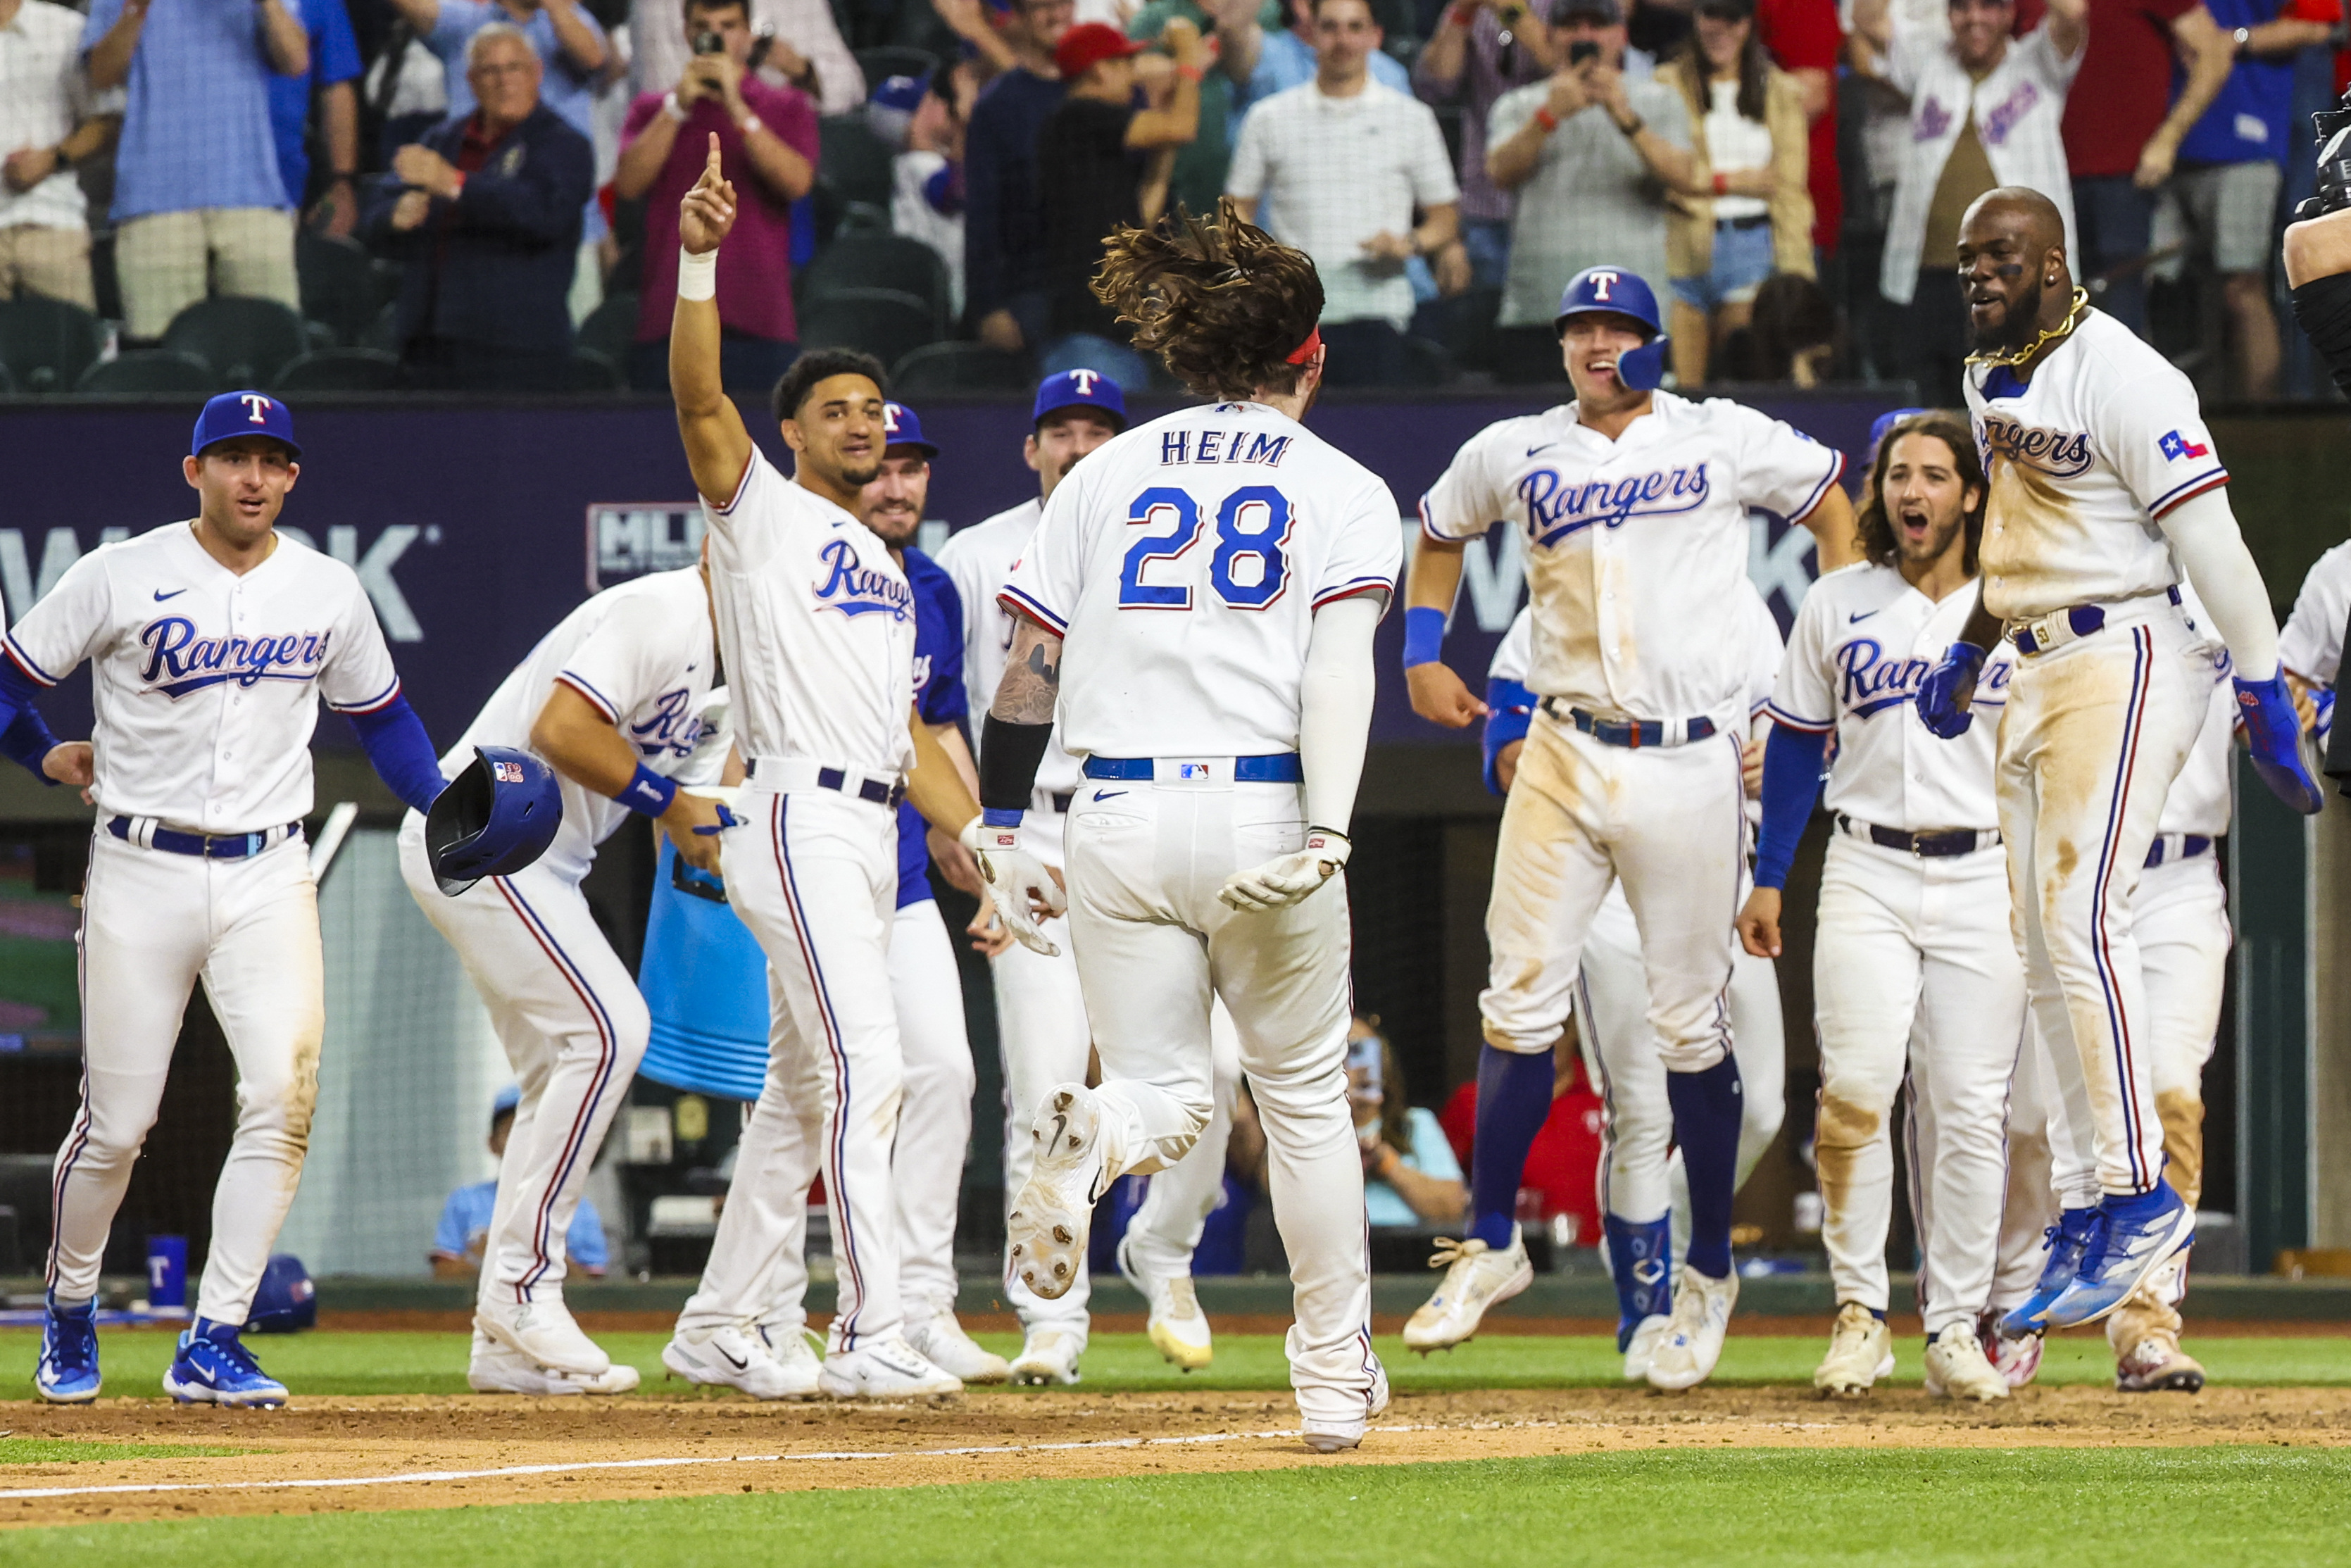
x: 2095, y: 732
x: 814, y: 874
x: 1154, y: 946
x: 573, y: 1027
x: 153, y: 924
x: 1640, y: 1171
x: 1915, y: 971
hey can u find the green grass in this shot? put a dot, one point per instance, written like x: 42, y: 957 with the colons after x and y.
x: 329, y: 1362
x: 2209, y: 1507
x: 68, y: 1450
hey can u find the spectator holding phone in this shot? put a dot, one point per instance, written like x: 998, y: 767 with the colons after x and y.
x: 1480, y: 50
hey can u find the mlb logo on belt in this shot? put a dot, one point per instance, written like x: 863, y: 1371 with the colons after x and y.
x: 1188, y: 771
x: 508, y: 772
x: 2176, y: 446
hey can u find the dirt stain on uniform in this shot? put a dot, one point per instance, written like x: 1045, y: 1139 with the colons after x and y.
x: 2182, y: 1111
x: 1842, y: 1130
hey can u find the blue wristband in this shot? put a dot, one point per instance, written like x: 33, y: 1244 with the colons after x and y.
x: 1424, y: 635
x: 1003, y: 816
x: 648, y: 794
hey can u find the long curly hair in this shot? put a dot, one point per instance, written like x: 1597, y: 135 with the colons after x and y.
x: 1222, y: 302
x: 1875, y: 531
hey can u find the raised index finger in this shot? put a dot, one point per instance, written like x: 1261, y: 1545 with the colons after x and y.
x: 710, y: 165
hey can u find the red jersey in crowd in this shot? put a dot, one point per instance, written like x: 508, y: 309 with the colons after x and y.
x: 1563, y: 1165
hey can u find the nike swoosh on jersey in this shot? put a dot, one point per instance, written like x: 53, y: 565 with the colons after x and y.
x: 161, y: 595
x: 1546, y: 446
x: 1861, y: 615
x: 1107, y: 794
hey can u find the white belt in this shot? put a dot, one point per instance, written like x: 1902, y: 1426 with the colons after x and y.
x: 783, y: 775
x: 2044, y: 634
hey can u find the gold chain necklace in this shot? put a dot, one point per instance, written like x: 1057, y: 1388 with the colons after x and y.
x: 2048, y: 335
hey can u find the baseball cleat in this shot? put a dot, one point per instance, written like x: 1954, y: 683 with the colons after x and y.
x: 67, y: 1372
x: 495, y: 1369
x: 1048, y: 1357
x: 1476, y: 1277
x: 1178, y: 1329
x: 885, y: 1369
x: 1046, y: 1231
x: 2064, y: 1243
x: 543, y: 1334
x: 1861, y: 1352
x: 1330, y: 1436
x: 2156, y: 1363
x: 1692, y: 1342
x: 730, y: 1357
x: 2130, y: 1238
x: 940, y: 1340
x: 2016, y: 1360
x: 213, y: 1367
x: 1957, y: 1369
x: 1643, y: 1345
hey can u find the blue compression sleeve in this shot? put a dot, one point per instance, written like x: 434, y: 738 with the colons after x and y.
x: 24, y: 737
x: 1512, y: 711
x: 401, y: 752
x: 1707, y: 1114
x: 1792, y: 781
x: 1513, y: 1103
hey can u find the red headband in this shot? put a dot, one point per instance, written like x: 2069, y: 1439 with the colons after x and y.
x: 1305, y: 350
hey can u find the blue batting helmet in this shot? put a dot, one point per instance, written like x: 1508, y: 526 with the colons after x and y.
x: 286, y: 1300
x: 496, y: 817
x: 1618, y: 291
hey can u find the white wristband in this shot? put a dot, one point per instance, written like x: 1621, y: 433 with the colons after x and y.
x: 671, y: 107
x: 750, y: 123
x: 697, y: 275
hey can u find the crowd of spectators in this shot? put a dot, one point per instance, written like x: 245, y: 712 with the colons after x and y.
x: 1791, y: 172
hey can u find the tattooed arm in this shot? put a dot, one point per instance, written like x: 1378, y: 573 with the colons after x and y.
x: 1032, y: 676
x: 1019, y: 726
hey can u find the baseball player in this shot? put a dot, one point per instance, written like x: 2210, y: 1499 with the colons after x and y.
x: 1638, y: 1175
x: 816, y: 627
x: 1212, y: 580
x: 612, y: 699
x: 211, y: 643
x: 1913, y: 967
x: 1634, y: 505
x: 2311, y: 646
x: 2105, y: 488
x: 1040, y: 1010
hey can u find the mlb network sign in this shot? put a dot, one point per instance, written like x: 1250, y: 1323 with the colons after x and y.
x: 630, y: 538
x: 29, y: 570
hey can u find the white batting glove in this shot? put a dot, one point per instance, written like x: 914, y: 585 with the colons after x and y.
x: 1289, y: 879
x: 1019, y: 880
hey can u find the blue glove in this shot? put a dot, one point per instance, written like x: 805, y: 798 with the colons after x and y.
x: 1939, y: 694
x: 2273, y: 732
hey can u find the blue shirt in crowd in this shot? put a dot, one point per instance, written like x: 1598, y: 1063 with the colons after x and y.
x: 465, y: 1227
x: 2253, y: 117
x: 195, y: 125
x: 1431, y: 1155
x: 334, y: 58
x: 939, y: 697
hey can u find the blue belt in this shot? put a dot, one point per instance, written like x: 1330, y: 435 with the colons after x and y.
x: 871, y: 790
x: 1273, y: 768
x: 2084, y: 619
x: 1632, y: 733
x: 2191, y: 846
x: 211, y: 847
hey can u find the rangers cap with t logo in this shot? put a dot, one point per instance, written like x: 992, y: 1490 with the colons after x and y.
x: 236, y: 414
x: 1079, y: 388
x: 1619, y: 291
x: 901, y: 426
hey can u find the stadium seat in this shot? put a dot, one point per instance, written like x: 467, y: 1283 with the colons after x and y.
x: 587, y: 371
x: 48, y: 343
x: 1425, y: 364
x: 884, y: 61
x: 244, y: 341
x: 1463, y: 326
x: 854, y: 158
x: 961, y: 367
x: 887, y: 323
x: 150, y: 372
x: 338, y: 284
x: 341, y: 371
x: 383, y: 332
x: 865, y: 260
x: 7, y: 382
x: 611, y: 328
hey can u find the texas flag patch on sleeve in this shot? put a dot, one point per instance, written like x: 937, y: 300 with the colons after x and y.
x: 2176, y: 446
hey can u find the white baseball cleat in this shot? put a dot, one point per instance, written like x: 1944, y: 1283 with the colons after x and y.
x: 731, y: 1357
x: 495, y: 1369
x: 544, y: 1333
x: 1861, y: 1352
x: 1692, y: 1342
x: 1049, y: 1356
x: 2016, y: 1360
x: 1476, y: 1277
x: 940, y: 1340
x: 1958, y: 1369
x: 884, y: 1369
x: 1046, y: 1231
x: 1178, y: 1329
x: 1642, y: 1345
x: 1328, y: 1436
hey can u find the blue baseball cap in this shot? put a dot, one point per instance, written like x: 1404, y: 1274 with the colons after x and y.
x: 236, y: 414
x: 1079, y: 388
x: 901, y: 426
x: 507, y: 1100
x: 1887, y: 421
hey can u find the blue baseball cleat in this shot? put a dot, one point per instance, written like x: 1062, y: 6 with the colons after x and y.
x: 2064, y: 1243
x: 215, y: 1368
x: 2129, y: 1239
x: 68, y: 1373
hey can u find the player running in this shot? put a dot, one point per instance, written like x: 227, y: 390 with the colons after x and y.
x: 1041, y: 1012
x: 1913, y: 971
x: 1634, y: 505
x: 2105, y: 488
x: 816, y: 626
x: 211, y: 644
x: 1211, y: 580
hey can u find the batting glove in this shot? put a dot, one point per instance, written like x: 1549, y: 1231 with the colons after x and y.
x: 1287, y: 879
x: 1015, y: 879
x: 1953, y: 677
x: 2273, y: 732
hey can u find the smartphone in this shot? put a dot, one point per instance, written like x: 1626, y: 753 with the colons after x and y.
x: 1582, y: 52
x: 709, y: 42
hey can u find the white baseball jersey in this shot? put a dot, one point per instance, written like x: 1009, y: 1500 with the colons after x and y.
x: 816, y: 623
x: 980, y: 561
x: 1862, y: 642
x: 641, y: 655
x: 205, y: 682
x: 2198, y: 802
x: 2084, y: 461
x: 1514, y: 654
x: 1634, y: 544
x: 2312, y: 643
x: 1184, y: 561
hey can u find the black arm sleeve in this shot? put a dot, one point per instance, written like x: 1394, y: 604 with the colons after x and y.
x: 2323, y: 309
x: 1009, y: 758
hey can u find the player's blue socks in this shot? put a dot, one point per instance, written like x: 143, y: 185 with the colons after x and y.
x: 1513, y: 1103
x: 1641, y: 1256
x: 1707, y: 1108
